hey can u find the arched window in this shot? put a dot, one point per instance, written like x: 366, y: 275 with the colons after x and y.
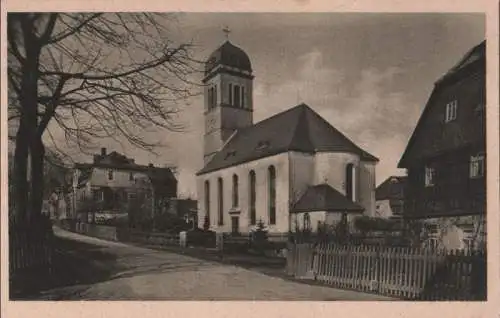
x: 235, y: 191
x: 272, y: 194
x: 252, y: 197
x: 220, y: 201
x: 350, y: 182
x: 207, y: 199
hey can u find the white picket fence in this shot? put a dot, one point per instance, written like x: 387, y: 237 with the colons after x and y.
x: 401, y: 272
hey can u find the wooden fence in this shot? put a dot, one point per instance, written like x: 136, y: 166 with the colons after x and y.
x: 407, y: 273
x: 30, y: 249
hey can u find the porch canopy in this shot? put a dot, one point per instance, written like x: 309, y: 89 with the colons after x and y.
x: 323, y: 197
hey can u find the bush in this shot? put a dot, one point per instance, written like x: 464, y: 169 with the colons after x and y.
x: 258, y: 238
x: 201, y: 238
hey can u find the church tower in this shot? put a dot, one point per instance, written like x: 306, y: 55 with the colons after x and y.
x: 228, y: 96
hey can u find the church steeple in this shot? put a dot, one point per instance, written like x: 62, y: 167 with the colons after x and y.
x: 228, y: 95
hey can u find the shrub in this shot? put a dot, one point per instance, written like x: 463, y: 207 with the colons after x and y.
x: 258, y: 238
x: 206, y: 223
x: 200, y: 237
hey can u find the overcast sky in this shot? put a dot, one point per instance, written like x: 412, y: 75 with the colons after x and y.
x: 369, y: 75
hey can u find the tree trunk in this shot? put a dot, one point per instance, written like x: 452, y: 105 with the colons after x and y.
x: 28, y: 122
x: 20, y: 178
x: 37, y: 151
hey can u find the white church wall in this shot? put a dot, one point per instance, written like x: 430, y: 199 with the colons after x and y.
x: 330, y: 168
x: 301, y: 174
x: 367, y: 187
x: 260, y: 167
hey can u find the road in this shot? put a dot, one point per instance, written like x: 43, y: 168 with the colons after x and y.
x: 125, y: 272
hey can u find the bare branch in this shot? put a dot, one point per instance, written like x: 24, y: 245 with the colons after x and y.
x: 72, y: 30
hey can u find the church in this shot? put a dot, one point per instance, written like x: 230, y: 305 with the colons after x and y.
x: 290, y: 171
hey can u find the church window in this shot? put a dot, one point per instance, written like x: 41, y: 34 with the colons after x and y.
x: 237, y: 98
x: 242, y: 97
x: 220, y: 201
x: 253, y: 196
x: 350, y: 182
x: 272, y: 194
x: 207, y: 199
x: 236, y: 95
x: 212, y: 97
x: 235, y: 191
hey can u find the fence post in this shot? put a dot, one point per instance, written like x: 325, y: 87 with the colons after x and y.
x: 377, y: 264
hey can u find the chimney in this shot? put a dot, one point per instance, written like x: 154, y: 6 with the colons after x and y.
x: 103, y: 151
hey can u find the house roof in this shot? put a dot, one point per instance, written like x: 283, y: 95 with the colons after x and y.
x: 475, y: 54
x: 475, y: 58
x: 153, y: 172
x: 117, y: 161
x: 323, y: 197
x: 391, y: 189
x: 297, y: 129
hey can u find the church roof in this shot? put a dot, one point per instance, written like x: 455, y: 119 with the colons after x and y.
x: 297, y: 129
x: 323, y: 197
x: 229, y: 55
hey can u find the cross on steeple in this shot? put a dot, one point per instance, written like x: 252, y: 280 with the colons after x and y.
x: 226, y: 31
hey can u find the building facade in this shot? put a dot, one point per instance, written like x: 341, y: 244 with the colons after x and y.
x: 268, y: 171
x: 112, y: 182
x: 446, y: 156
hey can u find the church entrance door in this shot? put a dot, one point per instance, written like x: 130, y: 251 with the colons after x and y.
x: 235, y: 225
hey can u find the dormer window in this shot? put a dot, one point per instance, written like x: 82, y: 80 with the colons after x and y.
x: 451, y: 111
x: 230, y: 154
x: 262, y: 145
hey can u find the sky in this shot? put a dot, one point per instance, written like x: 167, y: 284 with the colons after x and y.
x: 368, y: 75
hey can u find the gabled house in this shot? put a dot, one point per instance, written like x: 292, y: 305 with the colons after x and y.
x: 390, y: 197
x: 112, y: 181
x: 446, y: 156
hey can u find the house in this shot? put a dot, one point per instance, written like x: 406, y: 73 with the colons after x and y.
x: 112, y: 182
x: 446, y: 156
x: 389, y: 197
x: 291, y: 170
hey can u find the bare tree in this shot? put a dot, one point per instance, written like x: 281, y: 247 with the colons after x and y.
x: 89, y: 76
